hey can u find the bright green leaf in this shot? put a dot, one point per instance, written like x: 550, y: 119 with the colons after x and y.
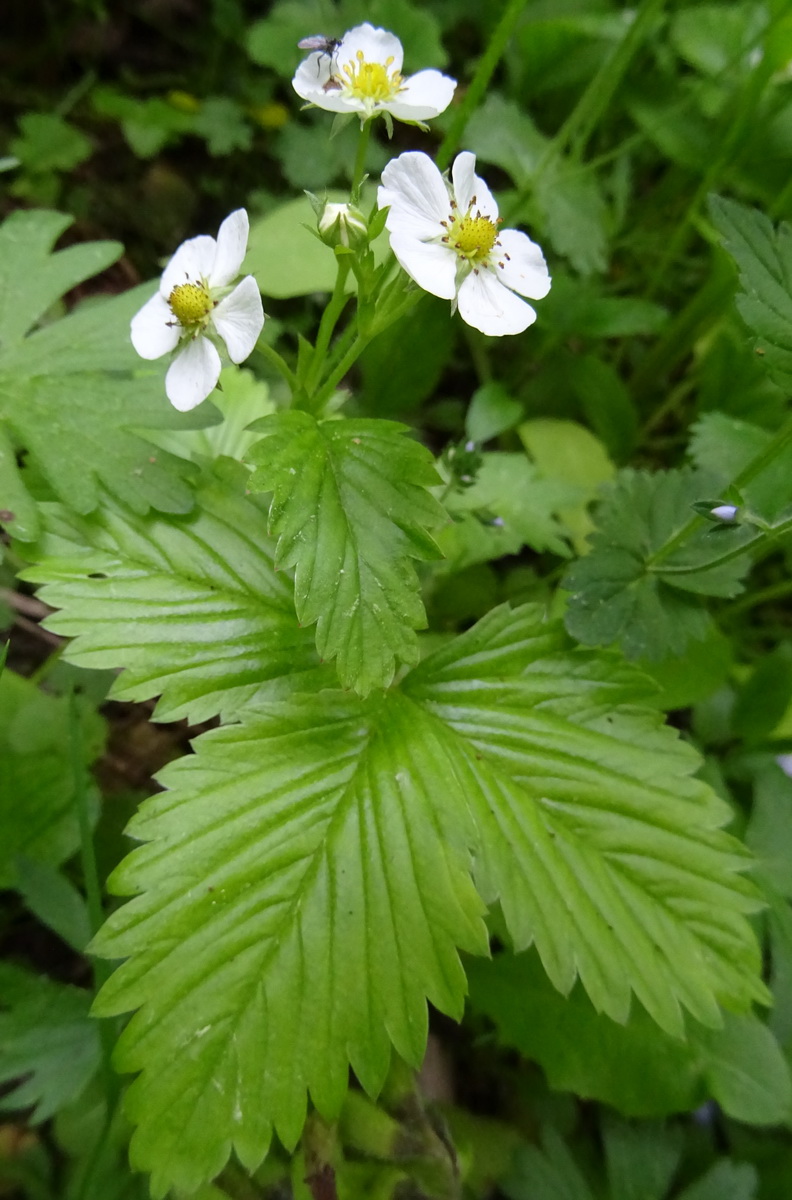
x: 191, y: 607
x: 350, y: 510
x: 325, y: 883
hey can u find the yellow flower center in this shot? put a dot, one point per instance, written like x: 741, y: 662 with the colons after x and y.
x: 190, y: 303
x: 473, y: 237
x: 371, y: 82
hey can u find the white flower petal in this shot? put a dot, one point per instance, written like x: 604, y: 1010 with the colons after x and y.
x: 422, y: 96
x: 412, y: 185
x: 311, y: 76
x: 463, y: 174
x: 470, y: 187
x: 376, y: 45
x: 490, y: 307
x: 193, y: 374
x: 191, y: 263
x: 239, y: 319
x: 154, y: 329
x: 431, y: 265
x: 525, y: 270
x: 232, y: 241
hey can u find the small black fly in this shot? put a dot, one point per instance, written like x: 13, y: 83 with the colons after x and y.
x: 318, y: 42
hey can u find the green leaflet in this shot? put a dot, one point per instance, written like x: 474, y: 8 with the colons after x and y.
x: 37, y: 775
x: 350, y: 510
x: 191, y: 606
x: 619, y: 594
x: 307, y: 881
x: 764, y: 258
x: 46, y: 1034
x: 636, y: 1068
x: 68, y: 395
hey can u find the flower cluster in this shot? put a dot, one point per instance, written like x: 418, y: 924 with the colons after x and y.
x: 194, y: 302
x: 446, y: 234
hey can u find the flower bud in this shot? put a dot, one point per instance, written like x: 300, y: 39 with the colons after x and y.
x: 724, y: 512
x: 343, y: 225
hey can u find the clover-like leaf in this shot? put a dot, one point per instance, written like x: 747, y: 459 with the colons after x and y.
x: 191, y: 606
x: 307, y: 881
x: 71, y: 403
x: 351, y: 510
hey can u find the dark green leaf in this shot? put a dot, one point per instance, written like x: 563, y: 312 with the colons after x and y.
x: 38, y: 817
x: 46, y: 1037
x: 764, y: 259
x: 619, y: 594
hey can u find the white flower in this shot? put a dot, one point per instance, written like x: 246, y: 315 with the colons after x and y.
x: 363, y: 75
x: 195, y: 301
x: 724, y: 512
x: 447, y: 239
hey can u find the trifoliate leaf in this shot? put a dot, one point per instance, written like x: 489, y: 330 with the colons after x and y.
x: 307, y: 880
x: 764, y: 259
x: 622, y: 592
x: 350, y: 510
x: 38, y: 815
x: 69, y: 399
x: 191, y: 606
x: 47, y: 1037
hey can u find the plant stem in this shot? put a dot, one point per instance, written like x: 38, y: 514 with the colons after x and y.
x: 360, y: 159
x: 583, y: 120
x: 330, y: 317
x: 484, y: 70
x: 730, y: 143
x: 278, y: 362
x: 775, y: 591
x: 362, y: 340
